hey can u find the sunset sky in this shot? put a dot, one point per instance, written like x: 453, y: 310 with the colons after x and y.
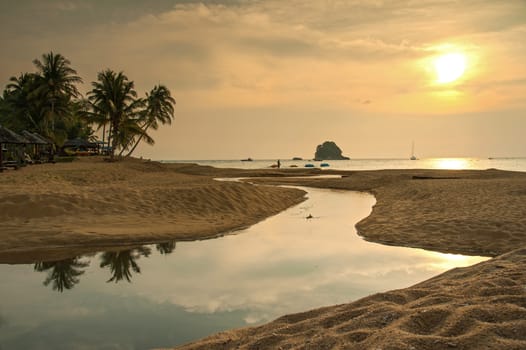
x: 273, y: 79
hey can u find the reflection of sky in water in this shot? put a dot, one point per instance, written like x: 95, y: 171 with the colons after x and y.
x: 514, y: 164
x: 285, y: 264
x: 452, y: 163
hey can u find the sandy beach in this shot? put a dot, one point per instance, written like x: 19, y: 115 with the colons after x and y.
x: 56, y: 210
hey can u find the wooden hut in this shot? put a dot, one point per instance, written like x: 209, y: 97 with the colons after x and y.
x: 80, y: 147
x: 11, y: 149
x: 40, y: 148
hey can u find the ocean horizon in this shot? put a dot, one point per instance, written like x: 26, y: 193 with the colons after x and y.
x: 446, y: 163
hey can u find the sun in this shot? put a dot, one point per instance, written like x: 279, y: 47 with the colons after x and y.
x: 449, y: 67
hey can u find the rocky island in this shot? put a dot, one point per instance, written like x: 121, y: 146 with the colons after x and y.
x: 329, y: 151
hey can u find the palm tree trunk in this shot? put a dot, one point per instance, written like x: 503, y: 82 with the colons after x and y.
x: 53, y: 117
x: 125, y: 147
x: 138, y: 141
x: 103, y: 133
x: 115, y: 131
x: 1, y: 158
x: 110, y: 135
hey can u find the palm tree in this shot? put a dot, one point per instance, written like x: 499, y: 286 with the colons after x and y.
x: 159, y: 109
x: 113, y: 100
x: 20, y: 110
x: 56, y: 86
x: 130, y: 130
x: 80, y: 126
x: 166, y: 248
x: 120, y: 263
x: 63, y: 273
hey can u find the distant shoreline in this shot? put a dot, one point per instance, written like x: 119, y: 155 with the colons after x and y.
x: 367, y: 164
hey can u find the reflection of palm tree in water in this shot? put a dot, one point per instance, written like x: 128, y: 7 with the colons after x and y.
x: 166, y: 247
x: 63, y: 273
x: 122, y: 263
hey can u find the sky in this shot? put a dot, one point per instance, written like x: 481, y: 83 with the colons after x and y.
x: 272, y: 79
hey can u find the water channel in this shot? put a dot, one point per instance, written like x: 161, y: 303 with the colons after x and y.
x: 172, y: 293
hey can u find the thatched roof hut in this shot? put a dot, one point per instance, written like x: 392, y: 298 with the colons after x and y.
x: 80, y: 147
x: 8, y: 137
x: 35, y: 138
x: 80, y: 143
x: 41, y: 148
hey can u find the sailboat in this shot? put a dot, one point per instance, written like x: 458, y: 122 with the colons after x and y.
x: 413, y: 157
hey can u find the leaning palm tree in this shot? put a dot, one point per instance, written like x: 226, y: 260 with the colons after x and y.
x: 130, y: 131
x: 56, y: 86
x: 113, y: 100
x: 159, y: 109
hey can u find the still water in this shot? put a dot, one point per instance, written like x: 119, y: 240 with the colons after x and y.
x: 172, y: 293
x: 513, y: 164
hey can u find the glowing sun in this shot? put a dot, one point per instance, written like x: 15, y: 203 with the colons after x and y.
x: 449, y: 67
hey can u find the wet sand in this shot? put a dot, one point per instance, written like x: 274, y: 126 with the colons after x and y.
x: 55, y: 210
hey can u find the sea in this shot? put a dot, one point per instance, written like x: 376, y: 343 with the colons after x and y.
x: 511, y: 164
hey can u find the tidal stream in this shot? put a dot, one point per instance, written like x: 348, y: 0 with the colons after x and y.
x: 172, y: 293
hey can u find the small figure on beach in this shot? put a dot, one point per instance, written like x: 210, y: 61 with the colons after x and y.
x: 278, y: 163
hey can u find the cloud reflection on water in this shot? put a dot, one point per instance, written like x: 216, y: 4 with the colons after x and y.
x: 282, y: 265
x: 287, y: 263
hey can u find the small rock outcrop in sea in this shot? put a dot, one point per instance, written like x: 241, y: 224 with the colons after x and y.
x: 329, y: 151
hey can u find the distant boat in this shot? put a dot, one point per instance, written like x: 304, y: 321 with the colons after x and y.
x: 324, y: 165
x: 309, y: 165
x: 413, y: 157
x: 297, y: 158
x: 247, y: 160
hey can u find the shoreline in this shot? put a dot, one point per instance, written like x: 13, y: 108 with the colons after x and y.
x: 46, y: 209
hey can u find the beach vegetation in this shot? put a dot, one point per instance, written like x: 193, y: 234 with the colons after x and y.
x: 159, y: 109
x: 56, y: 89
x: 48, y: 102
x: 113, y: 101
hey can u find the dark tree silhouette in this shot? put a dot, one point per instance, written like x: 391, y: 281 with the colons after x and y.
x: 166, y: 247
x: 56, y: 82
x: 159, y: 109
x: 113, y: 100
x: 63, y: 274
x: 123, y: 263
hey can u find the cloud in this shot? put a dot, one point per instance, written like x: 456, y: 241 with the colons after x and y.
x: 237, y: 54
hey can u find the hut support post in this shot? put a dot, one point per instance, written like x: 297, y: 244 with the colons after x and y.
x: 1, y: 157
